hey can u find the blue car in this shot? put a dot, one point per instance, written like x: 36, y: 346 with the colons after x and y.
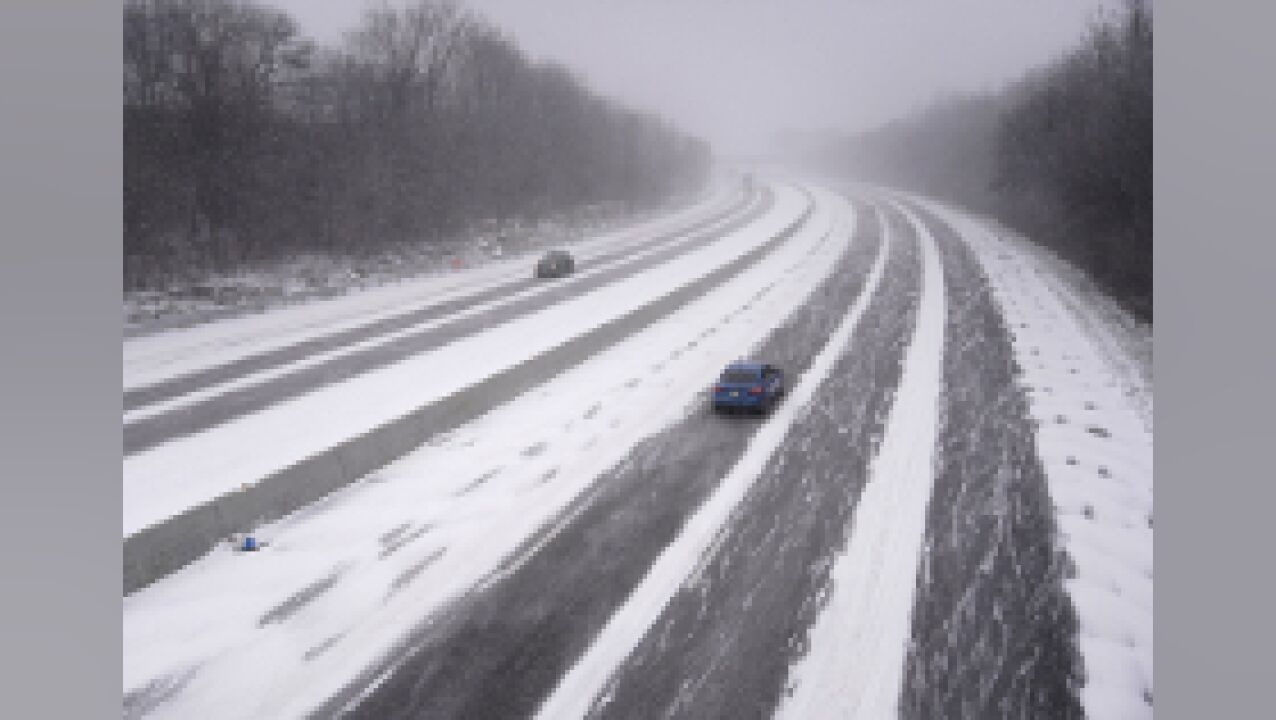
x: 748, y: 386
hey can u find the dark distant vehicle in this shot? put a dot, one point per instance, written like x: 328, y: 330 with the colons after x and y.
x: 748, y: 386
x: 555, y: 263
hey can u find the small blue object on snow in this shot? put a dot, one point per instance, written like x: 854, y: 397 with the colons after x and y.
x: 249, y: 544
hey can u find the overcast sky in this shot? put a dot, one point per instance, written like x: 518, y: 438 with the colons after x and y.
x: 737, y: 71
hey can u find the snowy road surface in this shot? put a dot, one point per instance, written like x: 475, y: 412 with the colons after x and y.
x: 484, y: 496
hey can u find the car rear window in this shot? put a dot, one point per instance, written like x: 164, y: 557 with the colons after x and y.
x: 739, y: 376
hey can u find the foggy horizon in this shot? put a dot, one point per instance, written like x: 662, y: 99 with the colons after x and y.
x: 739, y: 73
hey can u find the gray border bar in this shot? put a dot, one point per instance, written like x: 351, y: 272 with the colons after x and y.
x: 60, y: 364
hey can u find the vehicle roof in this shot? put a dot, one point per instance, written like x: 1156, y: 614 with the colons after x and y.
x: 745, y: 365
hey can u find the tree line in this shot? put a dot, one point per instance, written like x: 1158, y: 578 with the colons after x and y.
x: 244, y: 140
x: 1063, y: 155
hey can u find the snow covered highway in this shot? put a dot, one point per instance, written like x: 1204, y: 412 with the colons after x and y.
x: 485, y: 496
x: 273, y: 457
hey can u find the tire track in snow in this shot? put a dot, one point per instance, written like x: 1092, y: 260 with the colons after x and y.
x: 723, y: 645
x: 138, y: 703
x: 299, y: 600
x: 856, y: 659
x: 500, y: 651
x: 164, y: 547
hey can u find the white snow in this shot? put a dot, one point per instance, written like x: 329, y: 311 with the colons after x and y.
x: 205, y: 617
x: 1093, y: 404
x: 854, y: 667
x: 587, y: 679
x: 165, y: 480
x: 150, y: 359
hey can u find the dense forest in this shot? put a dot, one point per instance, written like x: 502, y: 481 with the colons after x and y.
x: 1063, y: 155
x: 244, y: 141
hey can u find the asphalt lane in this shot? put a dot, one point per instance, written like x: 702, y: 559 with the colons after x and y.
x: 500, y: 651
x: 149, y: 432
x: 993, y: 632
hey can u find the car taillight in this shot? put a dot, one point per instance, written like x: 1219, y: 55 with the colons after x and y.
x: 755, y: 390
x: 717, y: 388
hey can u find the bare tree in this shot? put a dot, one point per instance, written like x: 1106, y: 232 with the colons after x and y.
x: 243, y: 140
x: 412, y: 50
